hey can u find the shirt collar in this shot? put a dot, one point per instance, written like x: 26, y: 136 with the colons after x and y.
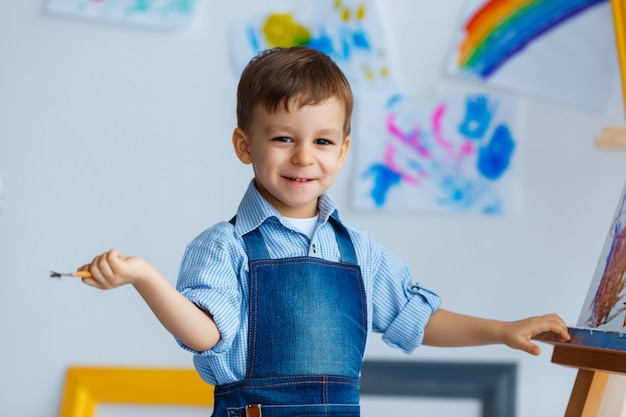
x: 254, y: 210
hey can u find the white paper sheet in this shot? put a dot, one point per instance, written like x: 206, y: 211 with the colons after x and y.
x: 452, y: 154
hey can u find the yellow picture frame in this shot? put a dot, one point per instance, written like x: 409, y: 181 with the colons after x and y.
x: 619, y: 21
x: 86, y: 387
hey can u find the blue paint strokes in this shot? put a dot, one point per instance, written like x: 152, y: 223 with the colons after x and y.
x: 182, y: 6
x: 458, y: 193
x: 493, y: 208
x: 462, y: 194
x: 478, y: 116
x: 252, y: 38
x: 395, y: 98
x: 494, y: 158
x: 140, y: 6
x: 416, y: 165
x: 384, y: 179
x: 322, y: 43
x: 349, y: 40
x: 359, y: 39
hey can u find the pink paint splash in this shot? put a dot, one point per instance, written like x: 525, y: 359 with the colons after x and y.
x: 437, y: 129
x: 412, y: 139
x: 466, y: 148
x: 388, y: 158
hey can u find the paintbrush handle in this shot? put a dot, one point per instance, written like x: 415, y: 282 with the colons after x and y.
x: 81, y: 274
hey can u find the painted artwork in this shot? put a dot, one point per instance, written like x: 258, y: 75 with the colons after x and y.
x: 562, y: 50
x: 142, y: 13
x: 351, y: 32
x: 605, y: 304
x: 450, y: 155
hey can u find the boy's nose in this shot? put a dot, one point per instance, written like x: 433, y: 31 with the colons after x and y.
x: 302, y: 155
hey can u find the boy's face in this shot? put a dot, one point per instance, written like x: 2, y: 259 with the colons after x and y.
x: 295, y: 154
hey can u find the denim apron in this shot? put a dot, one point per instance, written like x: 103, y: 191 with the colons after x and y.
x: 306, y: 336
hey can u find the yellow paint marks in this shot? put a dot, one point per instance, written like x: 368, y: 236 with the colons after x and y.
x: 281, y: 30
x: 360, y: 12
x: 345, y: 15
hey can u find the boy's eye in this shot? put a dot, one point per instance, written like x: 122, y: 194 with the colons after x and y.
x: 282, y: 139
x: 323, y: 142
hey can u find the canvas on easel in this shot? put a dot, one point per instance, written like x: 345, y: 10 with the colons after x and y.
x: 602, y: 321
x: 598, y: 346
x: 605, y: 305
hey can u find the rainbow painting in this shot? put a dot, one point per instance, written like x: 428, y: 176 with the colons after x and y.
x: 500, y: 29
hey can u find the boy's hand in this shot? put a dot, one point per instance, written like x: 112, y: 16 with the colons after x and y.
x: 111, y: 270
x: 518, y: 334
x: 185, y: 320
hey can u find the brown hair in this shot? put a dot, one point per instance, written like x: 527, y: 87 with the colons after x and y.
x: 278, y: 75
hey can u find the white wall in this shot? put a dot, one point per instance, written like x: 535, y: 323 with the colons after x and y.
x: 118, y: 137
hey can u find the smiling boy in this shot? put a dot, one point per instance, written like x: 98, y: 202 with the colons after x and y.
x: 277, y: 304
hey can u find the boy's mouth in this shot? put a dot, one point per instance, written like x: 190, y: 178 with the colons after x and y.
x: 298, y: 179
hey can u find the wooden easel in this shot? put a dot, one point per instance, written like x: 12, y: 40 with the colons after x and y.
x: 596, y: 358
x: 595, y: 363
x: 595, y: 366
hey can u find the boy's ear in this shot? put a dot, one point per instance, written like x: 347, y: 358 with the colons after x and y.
x: 345, y: 147
x: 242, y: 146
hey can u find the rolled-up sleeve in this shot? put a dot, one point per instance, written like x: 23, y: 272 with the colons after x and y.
x: 209, y: 278
x: 406, y: 331
x: 401, y: 309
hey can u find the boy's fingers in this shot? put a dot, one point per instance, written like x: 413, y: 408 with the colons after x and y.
x: 100, y: 270
x: 104, y: 263
x: 113, y: 254
x: 526, y: 345
x: 113, y: 258
x: 533, y: 349
x: 90, y: 281
x: 563, y: 334
x: 559, y: 327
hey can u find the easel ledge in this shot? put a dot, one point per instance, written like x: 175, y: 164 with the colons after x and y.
x: 596, y: 354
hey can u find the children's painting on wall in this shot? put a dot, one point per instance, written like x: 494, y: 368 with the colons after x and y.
x: 454, y: 154
x: 563, y: 50
x: 351, y: 32
x: 605, y: 304
x: 142, y: 13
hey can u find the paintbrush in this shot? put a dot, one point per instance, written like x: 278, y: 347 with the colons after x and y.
x: 82, y: 274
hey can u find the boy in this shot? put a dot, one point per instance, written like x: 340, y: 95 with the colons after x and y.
x: 277, y: 304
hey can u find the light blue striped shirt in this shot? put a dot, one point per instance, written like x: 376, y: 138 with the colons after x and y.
x: 214, y: 275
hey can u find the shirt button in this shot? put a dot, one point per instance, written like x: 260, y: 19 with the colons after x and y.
x: 313, y: 248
